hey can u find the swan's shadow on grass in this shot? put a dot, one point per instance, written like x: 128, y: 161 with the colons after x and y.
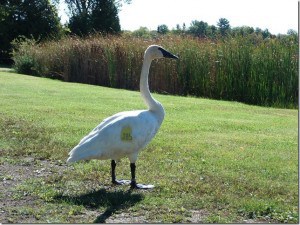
x: 114, y: 201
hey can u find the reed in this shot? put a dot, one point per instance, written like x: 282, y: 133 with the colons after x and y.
x: 246, y: 69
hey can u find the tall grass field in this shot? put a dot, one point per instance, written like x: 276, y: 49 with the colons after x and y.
x: 212, y: 161
x: 245, y: 69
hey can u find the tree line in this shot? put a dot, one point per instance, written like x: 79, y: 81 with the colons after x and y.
x: 39, y: 20
x: 202, y: 29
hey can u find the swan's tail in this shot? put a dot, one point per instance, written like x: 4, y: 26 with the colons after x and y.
x: 78, y: 153
x: 82, y: 152
x: 73, y: 157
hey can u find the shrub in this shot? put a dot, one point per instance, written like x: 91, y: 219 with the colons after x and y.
x: 24, y: 64
x: 24, y: 60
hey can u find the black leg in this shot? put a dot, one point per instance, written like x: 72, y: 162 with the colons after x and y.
x: 132, y: 169
x: 113, y: 175
x: 133, y: 183
x: 113, y: 171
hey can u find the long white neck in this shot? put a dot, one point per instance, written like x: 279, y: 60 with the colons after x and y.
x: 152, y: 104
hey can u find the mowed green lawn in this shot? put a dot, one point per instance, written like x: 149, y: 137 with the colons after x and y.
x: 211, y: 161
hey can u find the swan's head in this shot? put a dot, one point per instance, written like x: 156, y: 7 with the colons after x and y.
x: 157, y: 52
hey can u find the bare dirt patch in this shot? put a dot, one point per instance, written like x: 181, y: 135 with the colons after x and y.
x: 13, y: 173
x: 126, y: 218
x: 198, y: 216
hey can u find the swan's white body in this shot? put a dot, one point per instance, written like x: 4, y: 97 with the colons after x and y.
x: 126, y: 133
x: 105, y: 141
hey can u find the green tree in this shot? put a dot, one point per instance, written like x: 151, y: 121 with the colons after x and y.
x: 178, y: 30
x: 242, y: 31
x: 292, y: 32
x: 263, y: 33
x: 105, y: 17
x: 88, y: 16
x: 198, y: 28
x: 80, y: 24
x: 224, y: 26
x: 258, y: 31
x: 211, y: 31
x: 142, y: 32
x: 29, y: 18
x: 162, y: 29
x: 266, y: 34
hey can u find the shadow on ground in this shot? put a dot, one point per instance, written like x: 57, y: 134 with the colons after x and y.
x: 113, y: 201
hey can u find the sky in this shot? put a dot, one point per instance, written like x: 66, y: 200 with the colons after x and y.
x: 278, y: 16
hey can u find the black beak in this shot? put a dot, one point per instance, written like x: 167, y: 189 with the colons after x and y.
x: 167, y: 54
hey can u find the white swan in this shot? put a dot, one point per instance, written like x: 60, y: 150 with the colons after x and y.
x: 125, y: 133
